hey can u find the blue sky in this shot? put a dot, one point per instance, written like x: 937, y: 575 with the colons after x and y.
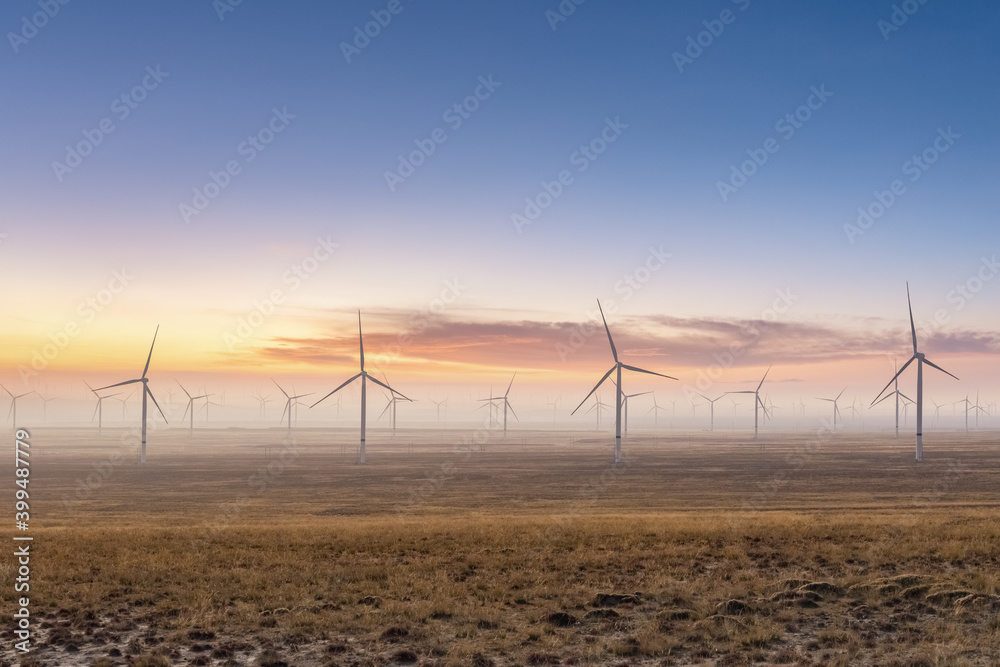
x: 655, y: 185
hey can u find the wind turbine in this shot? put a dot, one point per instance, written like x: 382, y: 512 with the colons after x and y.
x: 99, y: 410
x: 598, y: 406
x: 937, y: 411
x: 921, y: 360
x: 190, y: 406
x: 897, y: 393
x: 289, y: 404
x: 625, y: 405
x: 968, y: 403
x: 617, y: 368
x: 439, y: 404
x: 13, y: 403
x: 978, y: 409
x: 656, y: 411
x: 145, y: 392
x: 756, y: 403
x: 836, y: 408
x: 45, y: 404
x: 393, y: 400
x: 364, y: 378
x: 497, y: 400
x: 208, y: 402
x: 262, y: 402
x: 711, y: 402
x: 124, y: 402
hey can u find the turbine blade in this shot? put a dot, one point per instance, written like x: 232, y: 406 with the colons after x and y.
x: 614, y: 352
x: 763, y: 378
x: 186, y: 408
x: 510, y: 385
x: 119, y: 384
x: 512, y: 410
x: 144, y: 370
x: 96, y: 408
x: 933, y: 365
x: 334, y: 391
x: 913, y: 329
x: 396, y: 393
x: 361, y: 342
x: 643, y: 370
x: 841, y: 393
x: 182, y: 389
x: 156, y: 404
x: 387, y: 406
x: 279, y: 387
x: 606, y: 375
x: 882, y: 399
x: 898, y: 373
x: 287, y: 404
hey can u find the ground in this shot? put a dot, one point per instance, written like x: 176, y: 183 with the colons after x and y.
x: 240, y: 547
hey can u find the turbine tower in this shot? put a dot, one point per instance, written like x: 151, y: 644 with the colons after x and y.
x: 617, y: 368
x: 625, y: 398
x: 921, y: 360
x: 756, y: 403
x: 145, y: 392
x: 364, y: 375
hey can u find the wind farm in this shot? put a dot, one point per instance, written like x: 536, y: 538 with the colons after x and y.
x: 501, y: 334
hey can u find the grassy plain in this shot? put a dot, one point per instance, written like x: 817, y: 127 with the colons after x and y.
x: 236, y: 547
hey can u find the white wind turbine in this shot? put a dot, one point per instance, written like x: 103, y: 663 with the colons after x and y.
x: 505, y: 400
x: 625, y: 405
x: 897, y: 393
x: 290, y: 403
x: 967, y: 408
x: 836, y: 408
x: 262, y: 402
x: 618, y: 383
x: 365, y: 377
x: 439, y: 404
x: 711, y: 402
x: 189, y: 407
x: 921, y: 360
x: 99, y: 410
x: 656, y: 411
x: 393, y: 400
x: 598, y: 405
x: 145, y: 392
x: 757, y: 403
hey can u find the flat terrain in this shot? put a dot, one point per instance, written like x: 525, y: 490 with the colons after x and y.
x: 240, y: 547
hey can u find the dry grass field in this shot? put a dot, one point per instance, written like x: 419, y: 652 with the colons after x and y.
x: 236, y: 548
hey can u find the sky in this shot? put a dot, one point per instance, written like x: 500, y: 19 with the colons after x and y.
x: 474, y: 176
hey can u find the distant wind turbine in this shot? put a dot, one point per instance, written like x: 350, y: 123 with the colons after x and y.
x: 757, y: 402
x: 13, y: 403
x: 189, y: 407
x: 290, y: 402
x: 391, y: 405
x: 921, y: 360
x: 364, y: 375
x: 656, y: 411
x: 505, y: 401
x: 625, y: 405
x: 145, y: 392
x: 898, y: 394
x: 711, y: 402
x: 618, y: 382
x: 439, y: 404
x: 836, y: 408
x: 99, y: 409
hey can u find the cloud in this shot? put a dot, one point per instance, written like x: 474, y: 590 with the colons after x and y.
x: 660, y: 343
